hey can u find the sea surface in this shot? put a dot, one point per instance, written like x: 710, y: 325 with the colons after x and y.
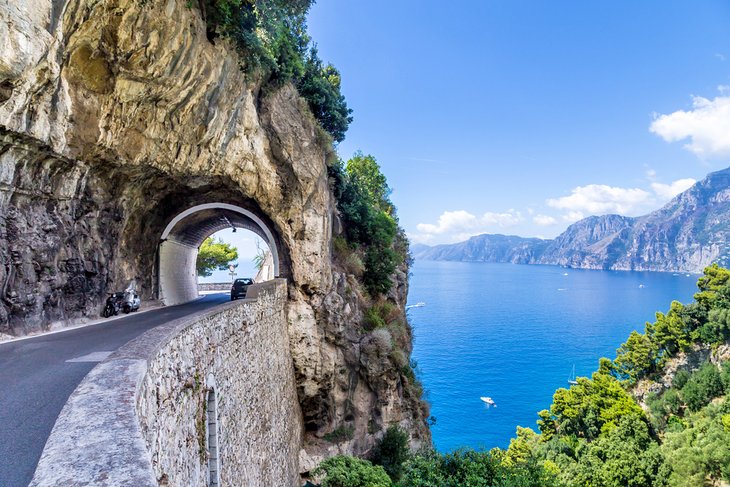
x: 515, y: 332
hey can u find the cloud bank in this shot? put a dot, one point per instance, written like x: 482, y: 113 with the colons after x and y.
x: 455, y: 226
x: 706, y: 125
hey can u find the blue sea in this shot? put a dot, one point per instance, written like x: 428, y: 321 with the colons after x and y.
x: 515, y: 332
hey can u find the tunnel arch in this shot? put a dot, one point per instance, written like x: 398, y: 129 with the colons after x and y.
x: 178, y: 246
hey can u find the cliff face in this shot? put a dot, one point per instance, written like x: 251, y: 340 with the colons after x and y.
x: 686, y: 235
x: 116, y: 115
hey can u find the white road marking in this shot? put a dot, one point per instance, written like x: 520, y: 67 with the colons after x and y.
x: 91, y: 357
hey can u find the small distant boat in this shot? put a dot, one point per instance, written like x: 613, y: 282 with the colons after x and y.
x: 420, y: 304
x: 688, y: 275
x: 565, y: 273
x: 487, y: 400
x: 641, y: 286
x: 571, y: 379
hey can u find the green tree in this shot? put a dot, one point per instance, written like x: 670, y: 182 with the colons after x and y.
x: 469, y: 468
x: 369, y: 219
x: 669, y: 332
x: 626, y: 456
x: 346, y: 471
x: 703, y: 386
x: 591, y: 407
x: 700, y: 452
x: 214, y: 255
x: 521, y: 449
x: 636, y: 357
x: 365, y: 170
x: 392, y: 451
x: 320, y: 86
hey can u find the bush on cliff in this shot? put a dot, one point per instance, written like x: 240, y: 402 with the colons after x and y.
x: 368, y: 217
x: 271, y: 36
x: 346, y: 471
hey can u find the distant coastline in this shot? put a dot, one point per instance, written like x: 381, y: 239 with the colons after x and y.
x: 689, y: 233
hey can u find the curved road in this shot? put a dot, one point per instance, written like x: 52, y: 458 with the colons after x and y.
x: 36, y: 379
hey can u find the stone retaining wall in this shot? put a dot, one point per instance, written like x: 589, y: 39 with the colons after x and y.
x: 214, y: 286
x: 140, y: 417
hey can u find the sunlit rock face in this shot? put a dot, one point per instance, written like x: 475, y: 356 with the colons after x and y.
x: 115, y: 116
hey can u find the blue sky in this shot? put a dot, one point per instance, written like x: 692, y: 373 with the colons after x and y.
x: 519, y: 117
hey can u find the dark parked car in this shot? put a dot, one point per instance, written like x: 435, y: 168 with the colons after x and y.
x: 240, y: 286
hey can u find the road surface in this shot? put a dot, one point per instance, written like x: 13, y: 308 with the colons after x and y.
x: 36, y: 379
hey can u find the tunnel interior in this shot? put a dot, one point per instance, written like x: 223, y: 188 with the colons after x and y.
x: 182, y: 237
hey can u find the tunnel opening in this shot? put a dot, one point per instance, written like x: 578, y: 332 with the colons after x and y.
x: 182, y: 237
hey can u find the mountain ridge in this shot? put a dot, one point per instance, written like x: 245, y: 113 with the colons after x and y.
x: 688, y: 233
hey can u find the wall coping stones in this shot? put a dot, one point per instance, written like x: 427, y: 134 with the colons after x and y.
x: 97, y: 439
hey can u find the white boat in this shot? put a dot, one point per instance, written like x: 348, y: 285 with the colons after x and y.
x: 641, y: 286
x: 572, y: 379
x: 417, y: 305
x: 487, y: 400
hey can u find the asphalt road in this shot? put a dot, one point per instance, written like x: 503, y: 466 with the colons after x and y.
x: 36, y: 380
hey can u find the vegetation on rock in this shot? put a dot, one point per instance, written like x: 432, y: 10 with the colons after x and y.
x: 214, y: 255
x: 271, y: 36
x: 368, y: 217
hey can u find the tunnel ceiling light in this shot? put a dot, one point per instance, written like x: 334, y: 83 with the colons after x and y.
x: 225, y: 218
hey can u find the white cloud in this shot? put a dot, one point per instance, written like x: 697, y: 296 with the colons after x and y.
x: 600, y: 199
x: 544, y: 220
x: 669, y: 191
x: 707, y: 125
x: 720, y: 56
x: 650, y: 173
x: 455, y: 226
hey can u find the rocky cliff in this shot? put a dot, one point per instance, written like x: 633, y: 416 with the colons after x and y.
x: 116, y: 115
x: 687, y: 234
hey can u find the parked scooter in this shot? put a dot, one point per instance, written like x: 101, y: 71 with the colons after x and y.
x: 113, y: 304
x: 131, y: 301
x: 126, y: 301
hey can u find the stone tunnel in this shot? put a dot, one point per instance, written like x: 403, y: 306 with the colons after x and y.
x: 182, y: 237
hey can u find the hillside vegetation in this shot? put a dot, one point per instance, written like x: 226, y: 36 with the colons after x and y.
x: 598, y: 433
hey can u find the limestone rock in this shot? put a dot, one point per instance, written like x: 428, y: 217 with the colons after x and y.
x: 115, y: 116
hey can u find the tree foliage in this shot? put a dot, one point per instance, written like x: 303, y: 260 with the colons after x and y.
x: 214, y: 255
x: 346, y: 471
x: 391, y: 452
x: 368, y: 217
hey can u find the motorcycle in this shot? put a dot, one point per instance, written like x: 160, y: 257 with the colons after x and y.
x: 113, y: 305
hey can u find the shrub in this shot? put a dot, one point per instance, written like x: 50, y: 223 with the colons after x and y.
x: 703, y: 386
x: 345, y: 471
x: 340, y: 434
x: 368, y: 219
x: 373, y: 320
x: 725, y: 376
x: 681, y: 378
x: 382, y: 340
x: 392, y: 451
x: 380, y: 263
